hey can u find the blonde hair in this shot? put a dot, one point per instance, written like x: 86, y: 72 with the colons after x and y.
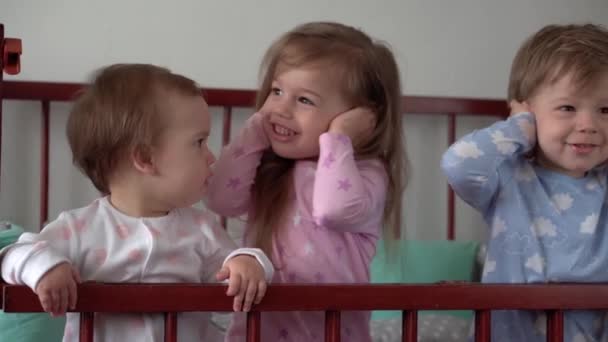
x: 370, y: 77
x: 556, y: 51
x: 118, y: 112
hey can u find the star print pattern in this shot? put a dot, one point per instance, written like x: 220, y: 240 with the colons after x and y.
x: 333, y: 215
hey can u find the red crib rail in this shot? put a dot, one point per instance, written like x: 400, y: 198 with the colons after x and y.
x: 333, y: 298
x: 47, y: 92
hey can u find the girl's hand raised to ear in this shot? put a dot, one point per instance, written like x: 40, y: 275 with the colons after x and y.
x: 357, y: 123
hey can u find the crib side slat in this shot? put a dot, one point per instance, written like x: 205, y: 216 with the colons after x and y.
x: 483, y: 331
x: 226, y: 128
x: 555, y: 325
x: 170, y: 327
x: 332, y: 326
x: 253, y: 326
x: 44, y: 163
x: 87, y: 321
x: 2, y: 62
x: 409, y: 326
x: 451, y: 213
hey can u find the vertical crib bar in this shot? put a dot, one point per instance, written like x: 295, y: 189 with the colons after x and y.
x: 87, y: 320
x: 1, y: 81
x: 409, y: 326
x: 451, y: 201
x: 555, y: 326
x: 44, y: 163
x: 226, y: 126
x: 253, y: 326
x: 170, y: 327
x: 483, y: 331
x: 332, y: 326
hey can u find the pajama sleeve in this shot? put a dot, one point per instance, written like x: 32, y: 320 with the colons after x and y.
x: 475, y: 164
x: 347, y: 193
x: 217, y: 248
x: 229, y: 192
x: 34, y: 254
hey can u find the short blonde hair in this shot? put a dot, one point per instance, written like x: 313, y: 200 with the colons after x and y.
x: 118, y: 112
x: 556, y: 51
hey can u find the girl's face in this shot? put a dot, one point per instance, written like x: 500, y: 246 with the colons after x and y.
x: 299, y: 108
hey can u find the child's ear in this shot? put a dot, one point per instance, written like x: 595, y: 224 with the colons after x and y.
x: 142, y: 160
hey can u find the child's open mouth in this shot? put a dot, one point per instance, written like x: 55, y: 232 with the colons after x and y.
x: 582, y: 148
x: 282, y: 130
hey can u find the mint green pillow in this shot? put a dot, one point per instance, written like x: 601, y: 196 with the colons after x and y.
x: 424, y: 261
x: 27, y: 327
x: 9, y: 233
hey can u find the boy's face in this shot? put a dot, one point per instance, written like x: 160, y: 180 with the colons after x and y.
x: 182, y: 158
x: 572, y: 125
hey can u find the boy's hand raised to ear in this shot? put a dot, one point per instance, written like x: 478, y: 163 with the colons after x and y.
x: 527, y: 127
x: 246, y: 281
x: 519, y: 107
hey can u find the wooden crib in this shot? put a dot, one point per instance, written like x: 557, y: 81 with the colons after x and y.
x: 170, y: 299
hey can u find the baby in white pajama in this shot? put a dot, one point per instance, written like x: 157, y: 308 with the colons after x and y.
x: 139, y: 133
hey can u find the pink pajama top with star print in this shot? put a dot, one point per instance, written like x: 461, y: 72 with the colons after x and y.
x: 329, y: 235
x: 106, y: 245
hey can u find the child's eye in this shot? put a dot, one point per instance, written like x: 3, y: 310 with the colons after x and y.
x: 275, y: 91
x: 567, y: 108
x: 200, y: 142
x: 604, y: 110
x: 306, y: 100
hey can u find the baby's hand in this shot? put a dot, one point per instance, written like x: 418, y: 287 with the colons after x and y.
x: 519, y: 107
x: 246, y: 281
x: 357, y: 123
x: 57, y: 289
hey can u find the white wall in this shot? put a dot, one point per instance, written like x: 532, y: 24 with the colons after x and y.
x: 444, y: 48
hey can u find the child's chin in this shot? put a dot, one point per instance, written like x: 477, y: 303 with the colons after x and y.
x: 578, y: 171
x: 291, y: 153
x: 283, y: 152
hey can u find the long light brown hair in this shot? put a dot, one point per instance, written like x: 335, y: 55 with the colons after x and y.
x: 368, y: 72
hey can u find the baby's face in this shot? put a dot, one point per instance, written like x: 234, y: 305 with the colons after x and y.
x: 183, y: 158
x: 572, y: 125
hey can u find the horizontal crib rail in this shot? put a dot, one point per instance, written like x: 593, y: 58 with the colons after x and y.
x: 123, y: 298
x: 66, y: 91
x: 170, y: 299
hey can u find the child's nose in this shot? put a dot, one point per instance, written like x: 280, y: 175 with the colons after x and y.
x: 284, y: 108
x: 586, y: 122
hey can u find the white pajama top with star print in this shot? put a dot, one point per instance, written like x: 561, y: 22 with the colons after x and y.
x: 330, y: 231
x: 544, y: 226
x: 104, y: 245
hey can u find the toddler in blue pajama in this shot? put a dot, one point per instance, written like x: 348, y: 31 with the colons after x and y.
x: 539, y: 177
